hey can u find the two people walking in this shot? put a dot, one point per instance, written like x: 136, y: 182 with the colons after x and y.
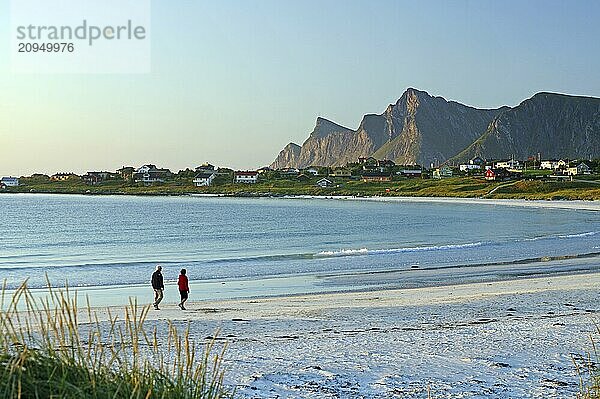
x: 159, y: 287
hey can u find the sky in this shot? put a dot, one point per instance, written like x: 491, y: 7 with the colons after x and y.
x: 233, y: 82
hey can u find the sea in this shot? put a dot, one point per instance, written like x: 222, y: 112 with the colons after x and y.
x: 106, y: 247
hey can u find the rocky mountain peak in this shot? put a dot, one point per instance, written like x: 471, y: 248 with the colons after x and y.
x: 325, y: 127
x: 420, y: 128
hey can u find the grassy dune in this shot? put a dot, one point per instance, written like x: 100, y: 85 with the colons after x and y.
x: 46, y: 351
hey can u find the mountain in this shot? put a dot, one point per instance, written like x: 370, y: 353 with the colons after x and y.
x: 554, y: 125
x: 426, y: 129
x: 420, y: 128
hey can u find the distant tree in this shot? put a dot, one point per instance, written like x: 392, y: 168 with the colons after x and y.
x: 185, y: 174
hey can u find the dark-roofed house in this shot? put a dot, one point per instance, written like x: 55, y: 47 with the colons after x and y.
x: 149, y: 173
x: 375, y: 175
x: 126, y: 172
x: 10, y: 181
x: 581, y: 169
x: 204, y: 179
x: 386, y: 163
x: 91, y: 178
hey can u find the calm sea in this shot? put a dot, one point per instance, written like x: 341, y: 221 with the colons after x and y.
x: 110, y: 241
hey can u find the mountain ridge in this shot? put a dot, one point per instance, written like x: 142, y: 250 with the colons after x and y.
x: 421, y: 128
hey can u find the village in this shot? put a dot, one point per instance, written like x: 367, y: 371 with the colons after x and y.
x: 365, y: 169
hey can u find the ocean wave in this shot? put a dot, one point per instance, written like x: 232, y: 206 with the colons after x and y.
x: 365, y: 251
x: 563, y: 236
x: 16, y: 265
x: 343, y: 252
x: 588, y: 234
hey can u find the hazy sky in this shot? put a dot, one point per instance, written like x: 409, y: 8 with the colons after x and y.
x: 232, y: 82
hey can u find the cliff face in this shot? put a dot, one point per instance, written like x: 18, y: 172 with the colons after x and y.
x: 327, y: 145
x: 420, y: 128
x: 427, y: 129
x: 554, y: 125
x: 288, y: 157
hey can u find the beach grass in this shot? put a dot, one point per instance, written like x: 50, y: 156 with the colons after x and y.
x: 588, y: 369
x: 52, y: 349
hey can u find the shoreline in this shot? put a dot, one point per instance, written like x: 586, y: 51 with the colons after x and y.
x: 340, y: 282
x: 592, y: 205
x: 588, y: 205
x: 410, y: 296
x: 459, y: 291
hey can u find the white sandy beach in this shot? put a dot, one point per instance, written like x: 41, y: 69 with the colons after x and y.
x: 509, y: 339
x: 550, y: 204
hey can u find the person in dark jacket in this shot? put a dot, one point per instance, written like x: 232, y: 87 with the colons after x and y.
x: 158, y: 285
x: 184, y: 288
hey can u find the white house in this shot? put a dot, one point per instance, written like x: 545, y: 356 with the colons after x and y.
x: 204, y: 179
x: 414, y: 172
x: 581, y: 169
x: 10, y: 181
x: 553, y: 164
x: 150, y: 174
x: 313, y: 171
x: 510, y: 164
x: 466, y: 167
x: 248, y: 177
x: 290, y: 171
x: 341, y: 172
x: 324, y: 183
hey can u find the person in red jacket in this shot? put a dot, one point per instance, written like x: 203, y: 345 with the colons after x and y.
x: 184, y: 288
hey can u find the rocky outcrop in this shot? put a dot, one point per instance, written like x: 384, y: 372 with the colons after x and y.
x: 423, y: 129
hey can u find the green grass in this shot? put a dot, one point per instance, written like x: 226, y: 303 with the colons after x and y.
x: 553, y: 190
x: 467, y: 187
x: 47, y: 351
